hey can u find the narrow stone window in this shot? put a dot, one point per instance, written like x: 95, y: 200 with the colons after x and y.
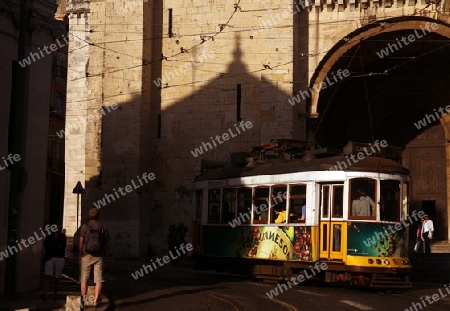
x: 159, y: 125
x: 170, y: 24
x: 238, y: 103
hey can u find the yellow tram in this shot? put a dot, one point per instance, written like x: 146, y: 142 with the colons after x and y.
x: 277, y: 220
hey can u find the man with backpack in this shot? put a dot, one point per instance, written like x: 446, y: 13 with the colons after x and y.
x: 91, y: 249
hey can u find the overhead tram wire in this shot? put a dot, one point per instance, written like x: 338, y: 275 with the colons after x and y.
x: 366, y: 91
x: 328, y: 104
x: 332, y: 96
x: 146, y: 62
x: 385, y: 72
x: 212, y: 32
x: 198, y: 45
x: 249, y: 29
x: 199, y: 95
x: 186, y: 84
x: 310, y: 55
x: 351, y: 76
x: 409, y: 60
x: 236, y: 75
x: 199, y: 34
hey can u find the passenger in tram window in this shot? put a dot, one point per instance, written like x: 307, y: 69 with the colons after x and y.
x: 302, y: 217
x: 264, y: 216
x: 244, y: 213
x: 280, y: 211
x: 214, y: 214
x: 227, y: 215
x: 297, y: 210
x: 362, y: 205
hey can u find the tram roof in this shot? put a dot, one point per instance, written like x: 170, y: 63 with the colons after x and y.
x: 279, y: 166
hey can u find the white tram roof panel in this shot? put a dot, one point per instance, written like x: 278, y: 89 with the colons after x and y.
x: 279, y: 166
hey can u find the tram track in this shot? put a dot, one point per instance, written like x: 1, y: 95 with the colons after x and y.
x: 231, y: 300
x: 228, y: 301
x: 233, y: 294
x: 285, y: 304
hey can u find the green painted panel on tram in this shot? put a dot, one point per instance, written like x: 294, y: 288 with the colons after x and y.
x: 275, y: 243
x: 376, y: 240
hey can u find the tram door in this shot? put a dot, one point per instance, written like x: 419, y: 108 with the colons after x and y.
x: 197, y: 223
x: 333, y: 230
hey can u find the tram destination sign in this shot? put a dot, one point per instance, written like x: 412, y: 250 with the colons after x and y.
x: 389, y: 152
x: 218, y: 183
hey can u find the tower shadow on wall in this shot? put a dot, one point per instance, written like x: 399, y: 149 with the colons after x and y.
x: 195, y: 113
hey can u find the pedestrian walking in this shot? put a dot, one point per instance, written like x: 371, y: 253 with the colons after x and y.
x: 427, y: 233
x: 419, y: 247
x: 92, y: 247
x: 55, y: 249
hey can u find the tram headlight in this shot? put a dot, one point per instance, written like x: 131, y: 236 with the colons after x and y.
x: 379, y: 261
x: 405, y: 262
x: 370, y: 260
x: 386, y: 262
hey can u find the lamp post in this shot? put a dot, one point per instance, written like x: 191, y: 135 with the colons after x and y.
x: 78, y: 190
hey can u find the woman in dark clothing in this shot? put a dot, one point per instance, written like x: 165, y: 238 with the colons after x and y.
x: 55, y: 248
x: 420, y: 247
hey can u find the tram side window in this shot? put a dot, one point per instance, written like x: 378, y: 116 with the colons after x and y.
x: 244, y: 198
x: 338, y: 199
x: 198, y: 204
x: 228, y: 205
x: 363, y: 198
x: 214, y: 206
x: 279, y: 206
x: 261, y: 207
x: 325, y: 201
x: 297, y: 214
x: 390, y: 200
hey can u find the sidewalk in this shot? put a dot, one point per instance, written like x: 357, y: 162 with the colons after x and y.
x: 123, y: 286
x: 420, y: 291
x: 68, y: 293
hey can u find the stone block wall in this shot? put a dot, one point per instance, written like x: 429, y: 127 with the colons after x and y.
x: 106, y: 102
x: 214, y: 48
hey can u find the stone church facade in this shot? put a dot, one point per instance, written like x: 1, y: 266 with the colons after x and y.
x: 151, y: 84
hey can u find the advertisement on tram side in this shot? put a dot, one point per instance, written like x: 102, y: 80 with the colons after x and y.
x: 260, y: 242
x: 375, y: 240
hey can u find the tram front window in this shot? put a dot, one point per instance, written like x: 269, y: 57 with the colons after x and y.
x: 363, y: 198
x: 338, y: 198
x: 228, y: 205
x: 390, y: 200
x: 198, y: 204
x: 244, y: 198
x: 279, y: 208
x: 260, y: 203
x: 214, y: 206
x: 297, y: 206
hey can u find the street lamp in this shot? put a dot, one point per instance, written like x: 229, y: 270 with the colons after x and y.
x: 78, y: 190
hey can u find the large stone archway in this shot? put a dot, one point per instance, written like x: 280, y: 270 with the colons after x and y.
x: 391, y: 26
x: 399, y: 95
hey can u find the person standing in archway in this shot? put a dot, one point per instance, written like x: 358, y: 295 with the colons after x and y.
x: 427, y: 233
x: 419, y: 247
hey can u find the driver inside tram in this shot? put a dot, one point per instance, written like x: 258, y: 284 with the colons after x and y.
x: 362, y: 205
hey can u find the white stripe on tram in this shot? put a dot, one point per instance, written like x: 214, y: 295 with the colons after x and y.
x: 358, y: 305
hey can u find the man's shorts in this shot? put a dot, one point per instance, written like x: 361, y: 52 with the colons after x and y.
x: 87, y: 262
x: 54, y: 267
